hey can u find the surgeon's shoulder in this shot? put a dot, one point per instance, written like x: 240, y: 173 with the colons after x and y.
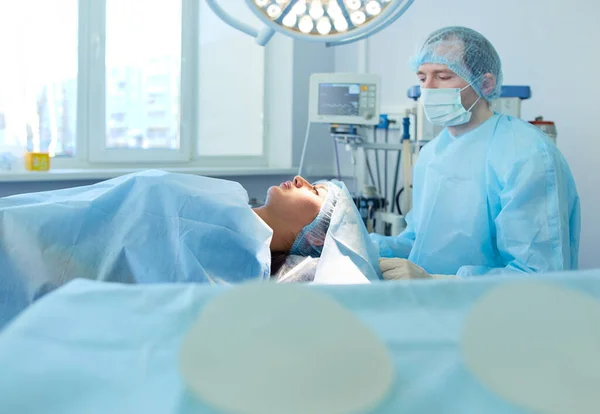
x: 516, y: 142
x: 515, y: 133
x: 515, y: 139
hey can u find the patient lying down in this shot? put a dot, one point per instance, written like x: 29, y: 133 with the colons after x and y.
x: 157, y: 227
x: 299, y: 214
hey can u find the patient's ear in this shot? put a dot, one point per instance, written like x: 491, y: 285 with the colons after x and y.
x: 315, y: 240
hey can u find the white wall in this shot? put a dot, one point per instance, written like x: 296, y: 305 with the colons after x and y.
x: 230, y: 99
x: 550, y: 45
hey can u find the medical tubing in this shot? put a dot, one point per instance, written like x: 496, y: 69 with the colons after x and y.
x: 377, y: 162
x: 406, y: 149
x: 398, y: 194
x: 369, y: 170
x: 397, y: 173
x: 405, y: 135
x: 337, y: 159
x: 308, y: 125
x: 398, y: 200
x: 385, y: 165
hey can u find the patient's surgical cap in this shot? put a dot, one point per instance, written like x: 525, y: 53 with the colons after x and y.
x: 311, y: 239
x: 466, y: 53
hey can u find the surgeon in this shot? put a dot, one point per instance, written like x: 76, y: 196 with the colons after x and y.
x: 492, y: 194
x: 158, y: 227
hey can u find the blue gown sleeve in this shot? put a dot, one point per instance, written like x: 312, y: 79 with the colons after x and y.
x: 537, y: 217
x: 397, y: 246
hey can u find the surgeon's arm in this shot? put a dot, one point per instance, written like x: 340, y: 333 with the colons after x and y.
x: 396, y: 246
x: 532, y: 225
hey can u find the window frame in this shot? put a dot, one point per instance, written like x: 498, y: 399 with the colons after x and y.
x: 91, y: 151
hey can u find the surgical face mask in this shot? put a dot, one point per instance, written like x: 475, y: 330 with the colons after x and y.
x: 444, y: 107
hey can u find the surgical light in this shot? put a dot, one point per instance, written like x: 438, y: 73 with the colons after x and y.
x: 290, y: 20
x: 341, y: 25
x: 334, y: 22
x: 334, y: 11
x: 358, y: 18
x: 353, y: 4
x: 299, y: 8
x: 274, y: 11
x: 373, y: 8
x: 316, y: 10
x: 305, y: 24
x: 324, y: 26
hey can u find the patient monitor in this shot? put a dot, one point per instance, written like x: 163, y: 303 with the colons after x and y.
x: 344, y: 98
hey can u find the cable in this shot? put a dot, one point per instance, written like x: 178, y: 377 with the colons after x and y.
x: 308, y: 125
x: 385, y: 164
x: 398, y: 159
x: 405, y: 135
x: 377, y: 161
x: 398, y: 200
x: 337, y: 159
x: 369, y: 169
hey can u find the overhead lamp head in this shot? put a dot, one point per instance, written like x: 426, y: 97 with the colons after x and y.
x: 330, y: 21
x: 333, y: 22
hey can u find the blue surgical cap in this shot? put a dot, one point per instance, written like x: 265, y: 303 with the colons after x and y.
x: 466, y: 53
x: 311, y: 239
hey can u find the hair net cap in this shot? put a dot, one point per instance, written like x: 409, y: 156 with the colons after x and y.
x: 467, y: 53
x: 311, y: 239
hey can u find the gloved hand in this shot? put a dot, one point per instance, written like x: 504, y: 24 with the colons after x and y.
x: 403, y: 269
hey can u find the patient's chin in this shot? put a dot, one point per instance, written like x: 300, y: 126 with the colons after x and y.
x: 273, y: 193
x: 278, y: 201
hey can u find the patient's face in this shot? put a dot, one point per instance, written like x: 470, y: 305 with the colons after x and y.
x: 296, y: 202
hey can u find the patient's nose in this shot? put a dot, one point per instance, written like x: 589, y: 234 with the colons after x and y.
x: 300, y: 182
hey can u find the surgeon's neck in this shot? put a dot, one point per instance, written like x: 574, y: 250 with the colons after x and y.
x: 481, y: 112
x: 283, y: 236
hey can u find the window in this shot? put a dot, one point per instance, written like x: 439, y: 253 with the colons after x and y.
x: 38, y: 75
x: 157, y: 114
x: 93, y: 83
x: 117, y: 135
x: 141, y: 57
x: 117, y: 117
x: 154, y: 133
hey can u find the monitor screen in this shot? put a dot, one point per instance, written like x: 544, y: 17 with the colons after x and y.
x: 341, y: 99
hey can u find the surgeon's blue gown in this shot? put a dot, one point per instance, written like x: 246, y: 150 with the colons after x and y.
x: 499, y: 198
x: 148, y: 227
